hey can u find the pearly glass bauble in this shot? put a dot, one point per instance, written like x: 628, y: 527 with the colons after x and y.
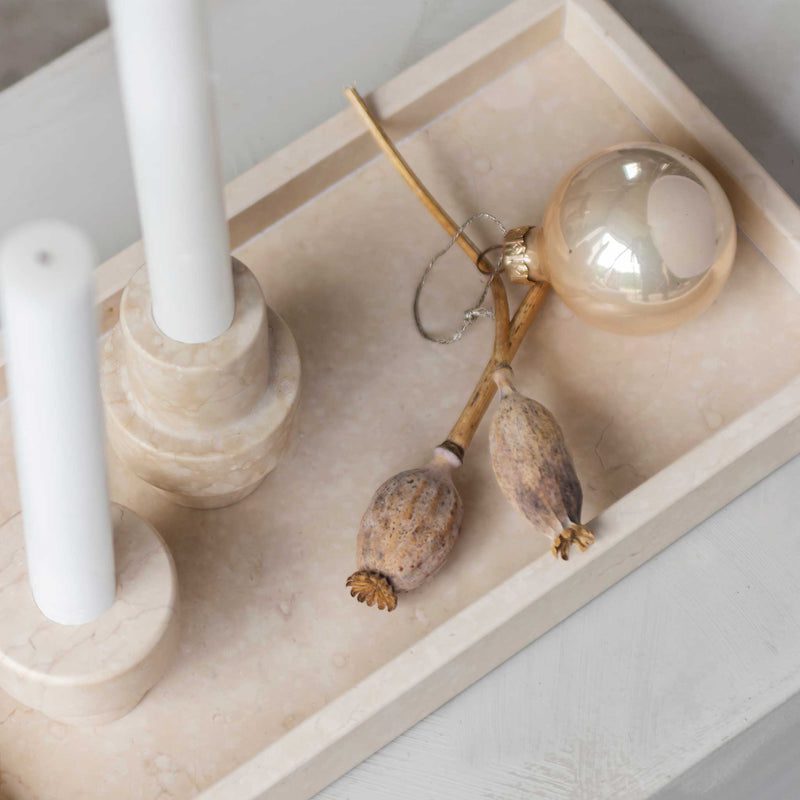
x: 637, y: 239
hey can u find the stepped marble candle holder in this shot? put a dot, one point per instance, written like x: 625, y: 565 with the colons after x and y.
x: 96, y: 672
x: 204, y: 423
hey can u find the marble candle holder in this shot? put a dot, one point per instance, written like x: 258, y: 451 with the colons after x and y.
x: 204, y: 423
x: 94, y: 673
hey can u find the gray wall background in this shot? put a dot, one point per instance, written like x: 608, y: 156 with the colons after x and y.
x: 287, y: 70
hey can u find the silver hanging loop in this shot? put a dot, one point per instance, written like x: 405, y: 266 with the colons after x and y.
x: 476, y: 311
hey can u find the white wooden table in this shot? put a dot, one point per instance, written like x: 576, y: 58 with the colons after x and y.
x: 682, y: 680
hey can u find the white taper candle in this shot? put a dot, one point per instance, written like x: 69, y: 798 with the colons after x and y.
x: 162, y: 58
x: 49, y: 325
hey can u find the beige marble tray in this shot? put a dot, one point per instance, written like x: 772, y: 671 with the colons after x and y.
x: 283, y: 682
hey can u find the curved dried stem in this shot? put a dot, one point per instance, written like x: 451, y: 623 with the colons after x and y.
x: 508, y: 336
x: 499, y: 296
x: 414, y: 183
x: 463, y: 431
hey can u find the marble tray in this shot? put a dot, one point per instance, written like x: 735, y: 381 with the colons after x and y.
x: 283, y: 682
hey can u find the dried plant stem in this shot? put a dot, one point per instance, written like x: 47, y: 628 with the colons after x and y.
x: 470, y: 418
x: 410, y: 177
x: 499, y: 296
x: 508, y: 336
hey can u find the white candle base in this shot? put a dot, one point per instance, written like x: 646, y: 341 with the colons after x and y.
x: 94, y: 673
x: 204, y: 423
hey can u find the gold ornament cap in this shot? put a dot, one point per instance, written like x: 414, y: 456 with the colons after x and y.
x: 521, y: 254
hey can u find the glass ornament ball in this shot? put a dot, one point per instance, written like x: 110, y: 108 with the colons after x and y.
x: 637, y: 239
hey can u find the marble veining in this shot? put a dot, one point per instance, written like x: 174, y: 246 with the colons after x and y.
x: 203, y: 423
x: 188, y: 386
x: 93, y: 673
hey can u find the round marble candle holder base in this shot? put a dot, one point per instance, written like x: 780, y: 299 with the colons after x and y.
x: 204, y: 423
x: 94, y: 673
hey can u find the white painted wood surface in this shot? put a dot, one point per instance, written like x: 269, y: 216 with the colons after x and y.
x: 650, y: 678
x: 633, y: 689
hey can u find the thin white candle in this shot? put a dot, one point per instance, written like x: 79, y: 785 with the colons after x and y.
x: 162, y: 58
x: 48, y: 318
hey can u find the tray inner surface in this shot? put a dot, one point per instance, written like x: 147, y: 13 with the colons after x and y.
x: 269, y: 633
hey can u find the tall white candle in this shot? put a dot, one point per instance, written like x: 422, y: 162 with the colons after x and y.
x: 48, y: 319
x: 162, y: 58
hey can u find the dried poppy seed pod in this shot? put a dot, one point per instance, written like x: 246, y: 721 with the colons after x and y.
x: 407, y: 532
x: 534, y: 469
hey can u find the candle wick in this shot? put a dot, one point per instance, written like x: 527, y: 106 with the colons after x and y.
x: 44, y: 258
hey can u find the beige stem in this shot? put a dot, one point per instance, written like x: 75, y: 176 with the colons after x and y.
x: 467, y: 423
x: 414, y: 183
x: 499, y: 296
x: 508, y: 337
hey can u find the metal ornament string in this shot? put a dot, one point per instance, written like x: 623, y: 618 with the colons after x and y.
x: 478, y: 309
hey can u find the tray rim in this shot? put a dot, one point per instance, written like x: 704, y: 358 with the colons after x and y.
x: 632, y: 530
